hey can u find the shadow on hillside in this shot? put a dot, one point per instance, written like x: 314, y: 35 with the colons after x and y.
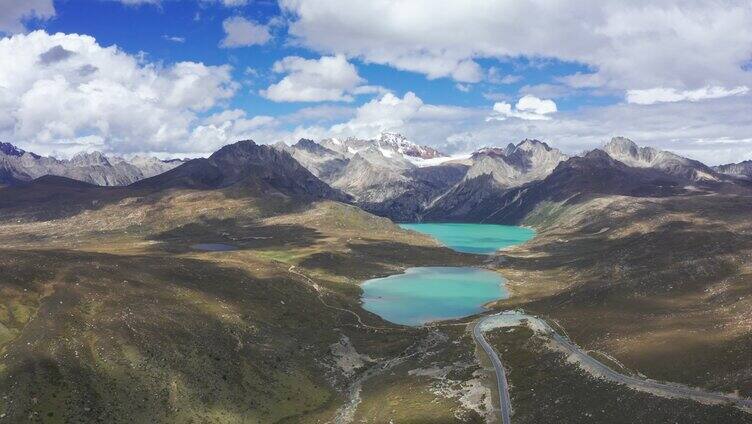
x: 236, y: 233
x: 143, y: 339
x: 52, y: 198
x: 677, y: 253
x: 376, y: 258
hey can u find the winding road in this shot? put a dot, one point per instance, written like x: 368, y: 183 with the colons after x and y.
x: 671, y: 390
x: 501, y: 376
x: 596, y: 368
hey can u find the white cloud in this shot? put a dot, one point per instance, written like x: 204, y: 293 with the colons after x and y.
x: 13, y: 13
x: 234, y: 3
x: 548, y: 90
x: 629, y: 45
x: 174, y: 38
x: 241, y: 32
x: 535, y: 105
x: 662, y: 95
x: 103, y: 97
x: 226, y: 3
x: 465, y: 88
x: 528, y: 108
x: 384, y: 114
x: 407, y: 114
x: 329, y: 78
x: 495, y: 76
x: 683, y: 127
x: 138, y: 2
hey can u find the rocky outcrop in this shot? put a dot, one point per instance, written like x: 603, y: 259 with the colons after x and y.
x: 389, y: 175
x: 582, y: 177
x: 492, y: 172
x: 626, y: 151
x: 321, y: 161
x: 247, y: 166
x: 741, y: 169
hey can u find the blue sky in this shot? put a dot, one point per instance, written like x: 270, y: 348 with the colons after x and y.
x: 155, y: 28
x: 184, y: 77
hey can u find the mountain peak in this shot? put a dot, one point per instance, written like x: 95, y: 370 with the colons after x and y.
x: 90, y: 159
x: 622, y: 146
x: 532, y: 144
x: 311, y: 146
x: 11, y: 150
x: 390, y: 137
x: 406, y: 147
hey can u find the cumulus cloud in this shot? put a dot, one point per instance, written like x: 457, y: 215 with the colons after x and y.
x: 103, y: 97
x: 495, y: 76
x: 387, y: 113
x: 13, y: 13
x: 682, y: 127
x: 662, y: 95
x: 329, y: 78
x: 629, y: 45
x: 241, y: 32
x: 528, y: 107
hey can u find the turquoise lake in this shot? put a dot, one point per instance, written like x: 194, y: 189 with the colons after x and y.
x: 425, y: 294
x: 474, y: 238
x: 428, y: 294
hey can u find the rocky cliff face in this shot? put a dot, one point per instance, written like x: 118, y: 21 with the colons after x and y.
x: 582, y: 177
x: 389, y: 175
x: 492, y: 172
x: 741, y: 169
x: 516, y: 164
x: 258, y: 169
x: 321, y: 161
x: 96, y: 168
x: 626, y: 151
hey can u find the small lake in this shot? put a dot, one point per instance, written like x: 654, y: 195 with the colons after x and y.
x: 474, y: 238
x: 425, y: 294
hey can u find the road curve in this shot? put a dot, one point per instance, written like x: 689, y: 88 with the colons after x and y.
x: 599, y: 369
x: 501, y: 375
x: 672, y: 390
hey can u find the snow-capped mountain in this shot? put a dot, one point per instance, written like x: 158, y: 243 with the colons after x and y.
x: 389, y: 145
x: 388, y: 175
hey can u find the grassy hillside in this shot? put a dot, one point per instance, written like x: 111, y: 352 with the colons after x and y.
x: 108, y: 314
x: 661, y: 284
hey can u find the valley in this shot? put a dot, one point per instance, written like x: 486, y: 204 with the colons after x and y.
x: 233, y: 288
x: 375, y: 212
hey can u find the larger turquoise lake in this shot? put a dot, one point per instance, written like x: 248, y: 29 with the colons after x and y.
x: 474, y: 238
x: 425, y: 294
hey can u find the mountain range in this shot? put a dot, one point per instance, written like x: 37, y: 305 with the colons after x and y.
x: 394, y: 177
x: 17, y: 165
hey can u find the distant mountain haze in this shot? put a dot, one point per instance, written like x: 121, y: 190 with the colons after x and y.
x: 96, y: 168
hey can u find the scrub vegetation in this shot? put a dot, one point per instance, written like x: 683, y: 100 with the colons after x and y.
x: 662, y: 285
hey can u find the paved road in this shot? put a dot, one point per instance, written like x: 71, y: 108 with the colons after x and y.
x: 501, y: 375
x: 666, y: 389
x: 597, y: 368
